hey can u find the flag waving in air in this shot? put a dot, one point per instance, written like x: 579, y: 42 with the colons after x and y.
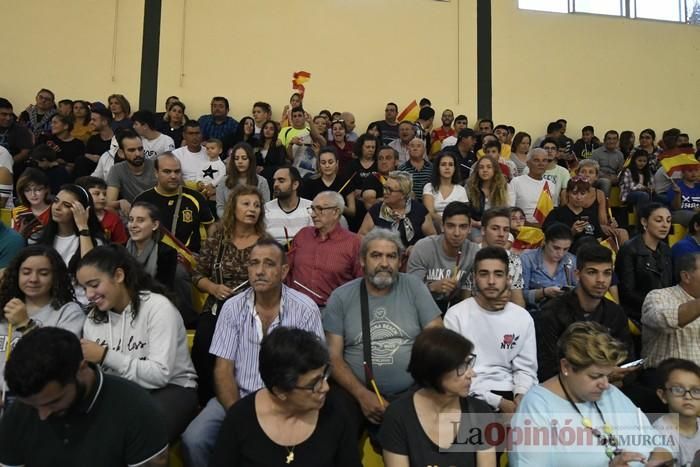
x: 544, y: 204
x: 298, y: 80
x: 410, y: 113
x: 678, y: 160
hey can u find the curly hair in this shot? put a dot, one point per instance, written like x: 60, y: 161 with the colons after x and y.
x: 61, y: 286
x: 109, y: 258
x: 499, y: 186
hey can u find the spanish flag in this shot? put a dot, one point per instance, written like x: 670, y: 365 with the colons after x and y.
x: 410, y: 112
x: 298, y: 80
x: 528, y: 238
x: 678, y: 160
x: 544, y: 204
x: 184, y: 255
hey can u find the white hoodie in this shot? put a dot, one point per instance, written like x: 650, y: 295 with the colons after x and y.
x: 151, y: 349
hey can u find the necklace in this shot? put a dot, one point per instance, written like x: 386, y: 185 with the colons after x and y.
x: 608, y: 439
x: 290, y: 455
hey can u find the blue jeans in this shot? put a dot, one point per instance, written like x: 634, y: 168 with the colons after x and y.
x: 637, y: 199
x: 199, y: 438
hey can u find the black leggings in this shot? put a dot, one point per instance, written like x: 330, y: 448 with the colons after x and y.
x: 178, y: 406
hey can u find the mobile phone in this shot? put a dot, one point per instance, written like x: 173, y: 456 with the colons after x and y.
x: 584, y: 218
x: 633, y: 364
x: 567, y: 288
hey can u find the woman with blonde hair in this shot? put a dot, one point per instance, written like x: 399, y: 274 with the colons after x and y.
x: 601, y: 413
x: 222, y: 270
x: 487, y: 188
x: 121, y: 111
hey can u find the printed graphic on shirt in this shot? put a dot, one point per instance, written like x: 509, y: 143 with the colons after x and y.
x: 387, y: 338
x: 209, y: 172
x: 509, y: 341
x: 438, y: 274
x: 132, y: 344
x: 3, y: 344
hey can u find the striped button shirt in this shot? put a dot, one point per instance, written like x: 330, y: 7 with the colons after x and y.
x: 239, y: 332
x: 420, y: 177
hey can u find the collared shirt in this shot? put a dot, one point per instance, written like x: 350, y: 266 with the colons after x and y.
x: 535, y: 275
x: 556, y: 316
x: 420, y: 177
x: 114, y: 409
x: 317, y: 266
x: 239, y: 332
x: 212, y: 129
x: 662, y: 337
x: 401, y: 148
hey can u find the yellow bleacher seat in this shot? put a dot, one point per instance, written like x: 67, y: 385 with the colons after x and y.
x: 677, y: 233
x: 369, y: 457
x: 614, y: 200
x: 175, y: 455
x: 6, y: 216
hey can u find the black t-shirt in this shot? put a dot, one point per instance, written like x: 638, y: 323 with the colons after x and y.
x: 360, y: 173
x: 15, y: 138
x: 402, y: 433
x: 389, y: 132
x: 312, y: 186
x: 69, y: 151
x: 194, y: 211
x: 243, y: 443
x: 117, y: 424
x: 97, y: 145
x: 566, y: 216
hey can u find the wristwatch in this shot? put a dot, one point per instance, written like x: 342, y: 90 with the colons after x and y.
x: 84, y: 233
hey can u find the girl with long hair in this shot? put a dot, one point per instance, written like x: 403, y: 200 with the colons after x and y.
x: 269, y: 154
x: 637, y: 180
x: 81, y: 125
x: 241, y: 171
x: 329, y: 178
x: 245, y: 133
x: 134, y: 331
x: 487, y: 188
x: 444, y: 186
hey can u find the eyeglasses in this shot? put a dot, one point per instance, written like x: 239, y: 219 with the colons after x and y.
x: 680, y: 391
x: 316, y: 385
x: 467, y: 365
x: 319, y: 209
x: 388, y: 189
x: 34, y: 190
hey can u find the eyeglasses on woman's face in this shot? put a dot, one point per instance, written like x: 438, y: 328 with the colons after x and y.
x: 316, y: 385
x: 466, y: 365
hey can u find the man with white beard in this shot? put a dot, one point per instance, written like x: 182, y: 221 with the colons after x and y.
x: 396, y: 308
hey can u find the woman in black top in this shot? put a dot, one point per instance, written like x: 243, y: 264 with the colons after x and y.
x: 442, y: 366
x: 269, y: 154
x: 173, y: 122
x: 67, y: 148
x: 644, y: 262
x: 328, y: 178
x: 290, y: 421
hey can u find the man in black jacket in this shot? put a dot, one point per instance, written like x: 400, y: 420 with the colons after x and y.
x: 587, y: 302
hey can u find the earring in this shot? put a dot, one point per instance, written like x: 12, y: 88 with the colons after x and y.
x: 566, y: 374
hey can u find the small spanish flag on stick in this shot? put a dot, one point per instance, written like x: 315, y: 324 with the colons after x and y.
x: 184, y: 255
x: 410, y: 112
x: 544, y: 204
x: 298, y: 80
x: 678, y: 160
x: 528, y: 238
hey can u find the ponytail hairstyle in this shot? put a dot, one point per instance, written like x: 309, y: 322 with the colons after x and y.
x: 109, y: 258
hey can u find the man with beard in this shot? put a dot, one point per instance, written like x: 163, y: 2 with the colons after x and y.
x: 68, y: 412
x: 37, y: 118
x: 15, y: 138
x: 438, y: 135
x: 243, y: 322
x: 434, y: 258
x: 371, y: 357
x: 129, y: 178
x: 288, y: 213
x: 503, y: 334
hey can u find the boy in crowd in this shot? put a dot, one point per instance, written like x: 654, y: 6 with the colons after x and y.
x: 213, y: 169
x: 679, y: 388
x: 111, y: 222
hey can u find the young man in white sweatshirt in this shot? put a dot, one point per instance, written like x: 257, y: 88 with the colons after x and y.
x: 503, y: 334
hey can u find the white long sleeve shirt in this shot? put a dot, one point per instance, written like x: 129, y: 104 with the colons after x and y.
x: 504, y: 344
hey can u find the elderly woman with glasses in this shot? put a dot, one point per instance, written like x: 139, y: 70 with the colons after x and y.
x: 292, y: 420
x: 442, y: 365
x: 398, y: 212
x: 588, y: 415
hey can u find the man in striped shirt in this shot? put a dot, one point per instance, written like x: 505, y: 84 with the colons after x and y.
x: 417, y: 166
x: 244, y: 320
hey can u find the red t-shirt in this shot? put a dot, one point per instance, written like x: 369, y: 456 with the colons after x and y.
x: 114, y: 228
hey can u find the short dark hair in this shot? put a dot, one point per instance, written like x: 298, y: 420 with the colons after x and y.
x: 562, y: 121
x: 493, y: 144
x: 288, y: 353
x: 648, y: 209
x: 668, y: 366
x: 456, y: 208
x: 263, y: 105
x: 554, y: 126
x: 466, y: 133
x: 145, y: 117
x: 293, y: 173
x: 393, y: 104
x: 686, y: 263
x: 491, y: 252
x: 221, y: 99
x: 65, y: 102
x: 437, y: 351
x: 125, y: 133
x: 297, y: 109
x: 487, y: 120
x: 102, y: 112
x: 692, y: 225
x: 424, y: 101
x: 192, y: 123
x: 426, y: 113
x: 558, y: 231
x: 5, y: 104
x: 269, y: 241
x: 592, y: 253
x: 611, y: 132
x: 88, y: 181
x: 550, y: 140
x: 387, y: 148
x: 43, y: 356
x: 494, y: 213
x: 501, y: 127
x: 588, y: 128
x: 328, y: 150
x: 461, y: 117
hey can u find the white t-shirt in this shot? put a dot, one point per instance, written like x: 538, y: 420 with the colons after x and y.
x: 191, y: 162
x: 6, y: 159
x: 212, y: 172
x: 526, y: 193
x: 153, y: 148
x: 559, y: 177
x: 458, y: 193
x: 276, y: 219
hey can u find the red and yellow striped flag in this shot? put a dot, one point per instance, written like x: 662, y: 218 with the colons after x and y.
x: 184, y: 255
x: 410, y: 112
x: 677, y: 160
x: 298, y: 80
x: 544, y: 204
x: 528, y: 238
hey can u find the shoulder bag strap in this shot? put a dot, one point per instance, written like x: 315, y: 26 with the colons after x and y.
x: 366, y: 336
x: 176, y: 213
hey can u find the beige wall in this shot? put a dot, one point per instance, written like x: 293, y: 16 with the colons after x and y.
x: 609, y: 72
x: 360, y: 53
x: 68, y: 48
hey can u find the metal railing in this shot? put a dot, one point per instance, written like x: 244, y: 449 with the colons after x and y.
x: 678, y: 11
